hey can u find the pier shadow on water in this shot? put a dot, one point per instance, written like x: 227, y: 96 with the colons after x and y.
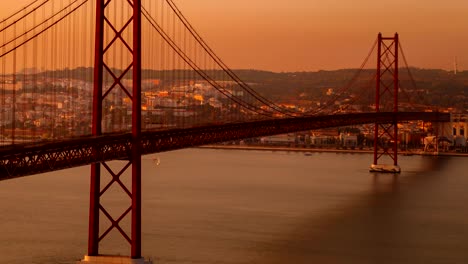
x: 415, y: 217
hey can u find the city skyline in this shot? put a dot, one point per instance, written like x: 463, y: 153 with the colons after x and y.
x: 304, y: 35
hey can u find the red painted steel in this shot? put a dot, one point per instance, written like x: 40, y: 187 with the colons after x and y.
x: 387, y: 63
x: 29, y: 159
x: 377, y: 94
x: 93, y: 231
x: 136, y: 133
x: 396, y: 83
x: 131, y: 149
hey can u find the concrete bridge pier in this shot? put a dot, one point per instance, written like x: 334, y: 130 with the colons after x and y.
x: 113, y: 260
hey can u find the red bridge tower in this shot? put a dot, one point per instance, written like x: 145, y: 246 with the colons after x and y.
x: 386, y: 100
x: 115, y: 34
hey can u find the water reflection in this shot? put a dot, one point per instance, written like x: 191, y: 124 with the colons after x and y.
x: 397, y: 221
x: 204, y: 206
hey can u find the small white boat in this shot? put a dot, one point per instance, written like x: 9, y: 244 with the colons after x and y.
x: 157, y: 161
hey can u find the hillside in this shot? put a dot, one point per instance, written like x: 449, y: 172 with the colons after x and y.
x: 431, y: 86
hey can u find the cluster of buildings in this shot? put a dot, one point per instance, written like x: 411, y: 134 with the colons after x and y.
x: 44, y: 109
x: 450, y: 136
x: 54, y: 108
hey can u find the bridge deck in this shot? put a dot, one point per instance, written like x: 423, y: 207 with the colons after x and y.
x: 28, y: 159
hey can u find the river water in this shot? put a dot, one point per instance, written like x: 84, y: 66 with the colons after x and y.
x: 229, y: 206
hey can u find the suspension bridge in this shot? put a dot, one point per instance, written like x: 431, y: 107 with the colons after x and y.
x: 84, y: 82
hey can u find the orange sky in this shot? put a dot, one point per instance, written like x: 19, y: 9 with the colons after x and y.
x: 297, y: 35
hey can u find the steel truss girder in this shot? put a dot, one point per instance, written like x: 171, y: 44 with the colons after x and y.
x: 23, y: 160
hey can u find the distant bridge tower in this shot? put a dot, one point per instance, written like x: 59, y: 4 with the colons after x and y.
x: 103, y: 64
x: 386, y: 100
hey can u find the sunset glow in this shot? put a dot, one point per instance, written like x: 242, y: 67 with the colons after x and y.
x: 303, y: 35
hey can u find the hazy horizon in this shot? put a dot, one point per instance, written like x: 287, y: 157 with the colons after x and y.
x: 301, y: 35
x: 261, y: 70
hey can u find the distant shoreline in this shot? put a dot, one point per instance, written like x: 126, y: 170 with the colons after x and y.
x: 327, y: 150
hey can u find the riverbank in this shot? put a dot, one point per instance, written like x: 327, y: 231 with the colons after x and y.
x: 309, y: 150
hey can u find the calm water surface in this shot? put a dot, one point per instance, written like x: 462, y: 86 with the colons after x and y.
x: 224, y: 206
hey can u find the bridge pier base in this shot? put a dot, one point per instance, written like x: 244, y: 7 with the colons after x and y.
x: 385, y: 168
x: 112, y: 260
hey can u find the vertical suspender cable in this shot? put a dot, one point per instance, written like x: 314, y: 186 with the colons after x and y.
x: 13, y: 125
x: 3, y: 106
x: 163, y: 68
x: 34, y: 81
x: 24, y: 106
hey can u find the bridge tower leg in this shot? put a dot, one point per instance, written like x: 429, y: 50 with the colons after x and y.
x: 96, y: 208
x: 386, y: 100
